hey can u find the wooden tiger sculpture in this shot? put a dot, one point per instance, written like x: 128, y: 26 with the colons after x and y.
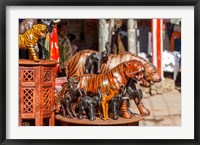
x: 111, y: 81
x: 29, y: 39
x: 75, y: 67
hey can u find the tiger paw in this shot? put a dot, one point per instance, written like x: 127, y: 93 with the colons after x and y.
x: 35, y: 58
x: 105, y: 118
x: 126, y: 115
x: 144, y: 111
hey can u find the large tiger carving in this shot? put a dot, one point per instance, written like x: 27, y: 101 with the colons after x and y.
x: 29, y: 39
x: 76, y: 67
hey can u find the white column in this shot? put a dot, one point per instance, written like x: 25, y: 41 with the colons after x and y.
x: 103, y: 34
x: 131, y: 35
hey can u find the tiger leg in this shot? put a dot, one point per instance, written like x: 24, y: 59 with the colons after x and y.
x: 104, y: 111
x: 104, y: 107
x: 33, y: 54
x: 107, y: 105
x: 143, y: 111
x: 124, y: 110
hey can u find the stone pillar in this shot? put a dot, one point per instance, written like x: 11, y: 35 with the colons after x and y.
x: 132, y: 36
x: 103, y: 33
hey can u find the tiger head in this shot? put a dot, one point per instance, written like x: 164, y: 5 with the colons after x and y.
x: 134, y: 69
x: 151, y: 75
x: 40, y: 30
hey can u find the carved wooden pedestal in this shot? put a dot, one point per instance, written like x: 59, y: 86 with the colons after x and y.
x: 36, y: 91
x: 134, y: 121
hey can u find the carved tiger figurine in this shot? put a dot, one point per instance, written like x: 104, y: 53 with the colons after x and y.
x: 29, y: 39
x: 110, y: 82
x: 76, y: 67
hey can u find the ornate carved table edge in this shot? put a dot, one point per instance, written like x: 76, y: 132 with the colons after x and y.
x: 41, y: 62
x: 99, y: 122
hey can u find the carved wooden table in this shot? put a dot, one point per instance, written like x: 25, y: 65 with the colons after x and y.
x: 36, y: 91
x: 134, y: 121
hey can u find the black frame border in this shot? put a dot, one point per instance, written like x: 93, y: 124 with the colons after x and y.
x: 5, y: 3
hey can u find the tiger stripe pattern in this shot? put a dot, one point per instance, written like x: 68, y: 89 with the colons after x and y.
x: 76, y: 65
x: 112, y: 80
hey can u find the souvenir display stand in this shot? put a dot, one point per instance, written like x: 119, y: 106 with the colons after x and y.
x: 36, y: 91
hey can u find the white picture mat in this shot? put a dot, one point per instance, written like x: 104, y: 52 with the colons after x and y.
x: 186, y: 131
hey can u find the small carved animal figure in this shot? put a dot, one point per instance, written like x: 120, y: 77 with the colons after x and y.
x: 134, y: 93
x: 89, y: 104
x: 132, y: 90
x: 29, y: 39
x: 110, y: 82
x: 120, y: 100
x: 70, y: 97
x: 94, y: 61
x: 115, y: 103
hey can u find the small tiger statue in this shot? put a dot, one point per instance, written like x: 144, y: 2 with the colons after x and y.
x: 29, y: 39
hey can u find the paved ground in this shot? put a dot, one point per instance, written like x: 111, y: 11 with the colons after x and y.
x: 165, y: 109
